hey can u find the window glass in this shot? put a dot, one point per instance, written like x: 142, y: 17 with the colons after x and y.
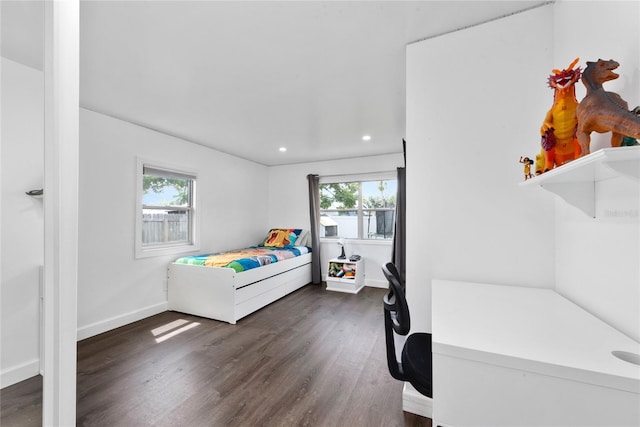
x: 166, y: 208
x: 358, y: 209
x: 166, y: 218
x: 159, y: 190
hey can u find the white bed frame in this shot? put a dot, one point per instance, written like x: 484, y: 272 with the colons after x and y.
x: 222, y: 294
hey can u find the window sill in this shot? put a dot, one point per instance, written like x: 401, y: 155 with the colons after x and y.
x: 364, y: 242
x: 165, y: 250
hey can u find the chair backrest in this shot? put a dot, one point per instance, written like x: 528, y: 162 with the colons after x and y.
x: 393, y: 271
x: 396, y: 318
x: 415, y: 364
x: 395, y: 302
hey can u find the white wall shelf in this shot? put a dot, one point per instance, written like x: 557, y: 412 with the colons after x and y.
x: 575, y: 181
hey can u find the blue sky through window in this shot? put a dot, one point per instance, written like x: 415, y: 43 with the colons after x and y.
x: 370, y: 189
x: 164, y: 197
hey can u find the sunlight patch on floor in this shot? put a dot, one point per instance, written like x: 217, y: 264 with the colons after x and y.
x: 172, y: 329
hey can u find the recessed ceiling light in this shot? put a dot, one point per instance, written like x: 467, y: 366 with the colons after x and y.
x: 283, y: 149
x: 366, y: 137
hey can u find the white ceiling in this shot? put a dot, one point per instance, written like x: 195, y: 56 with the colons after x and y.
x: 247, y: 78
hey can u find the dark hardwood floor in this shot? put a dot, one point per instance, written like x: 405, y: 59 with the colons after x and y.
x: 313, y: 358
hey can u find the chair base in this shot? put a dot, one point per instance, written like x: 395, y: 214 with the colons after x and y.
x: 415, y: 402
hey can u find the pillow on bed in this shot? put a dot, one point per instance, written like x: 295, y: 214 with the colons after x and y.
x: 281, y: 238
x: 303, y: 238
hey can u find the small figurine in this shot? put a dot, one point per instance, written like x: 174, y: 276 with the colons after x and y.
x: 561, y: 118
x: 539, y: 163
x: 527, y: 167
x: 601, y: 111
x: 548, y: 152
x: 628, y: 141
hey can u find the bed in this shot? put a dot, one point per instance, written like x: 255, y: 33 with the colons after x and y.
x: 231, y: 285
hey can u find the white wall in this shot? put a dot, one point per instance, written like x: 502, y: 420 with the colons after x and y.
x: 475, y: 102
x: 289, y: 206
x: 22, y: 220
x: 598, y: 263
x: 113, y: 287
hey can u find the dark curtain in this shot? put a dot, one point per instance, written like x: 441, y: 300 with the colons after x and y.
x: 398, y: 256
x: 314, y: 216
x: 400, y: 232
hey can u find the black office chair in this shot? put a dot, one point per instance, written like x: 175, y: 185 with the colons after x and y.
x: 415, y: 366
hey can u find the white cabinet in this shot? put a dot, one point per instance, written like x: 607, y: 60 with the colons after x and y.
x: 575, y: 181
x: 345, y: 276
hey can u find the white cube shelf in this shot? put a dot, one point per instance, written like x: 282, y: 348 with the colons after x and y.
x: 345, y: 276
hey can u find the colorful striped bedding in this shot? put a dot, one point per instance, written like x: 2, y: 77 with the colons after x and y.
x: 244, y: 259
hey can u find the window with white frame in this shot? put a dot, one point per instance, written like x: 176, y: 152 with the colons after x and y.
x: 166, y: 219
x: 358, y: 207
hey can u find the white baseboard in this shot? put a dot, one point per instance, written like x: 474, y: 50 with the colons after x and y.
x: 415, y: 402
x: 117, y: 321
x: 18, y: 373
x: 31, y: 368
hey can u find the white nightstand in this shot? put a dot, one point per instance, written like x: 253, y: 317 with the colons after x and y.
x: 345, y: 276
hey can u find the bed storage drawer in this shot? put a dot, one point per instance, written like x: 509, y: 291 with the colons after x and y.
x: 255, y: 296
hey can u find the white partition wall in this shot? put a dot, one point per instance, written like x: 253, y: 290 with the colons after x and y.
x: 475, y: 101
x: 61, y: 210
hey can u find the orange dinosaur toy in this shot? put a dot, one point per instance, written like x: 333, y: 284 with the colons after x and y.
x: 558, y: 132
x: 602, y: 111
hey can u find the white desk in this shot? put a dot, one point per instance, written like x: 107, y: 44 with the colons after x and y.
x: 506, y: 355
